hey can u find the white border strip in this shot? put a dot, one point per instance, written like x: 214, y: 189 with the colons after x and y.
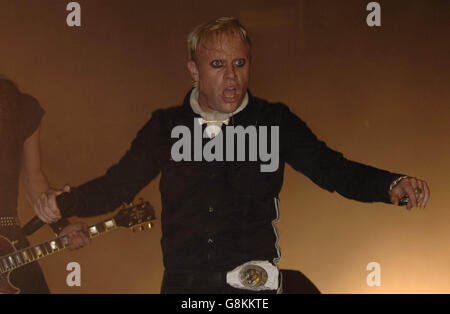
x: 277, y: 219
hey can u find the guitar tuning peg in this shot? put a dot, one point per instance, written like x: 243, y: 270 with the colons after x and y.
x: 150, y: 225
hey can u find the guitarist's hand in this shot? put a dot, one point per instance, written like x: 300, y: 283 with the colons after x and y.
x: 77, y: 234
x: 46, y: 207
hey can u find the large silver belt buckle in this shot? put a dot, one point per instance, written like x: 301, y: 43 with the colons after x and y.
x: 254, y: 275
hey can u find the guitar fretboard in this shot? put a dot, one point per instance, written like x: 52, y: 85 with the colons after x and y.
x: 36, y: 252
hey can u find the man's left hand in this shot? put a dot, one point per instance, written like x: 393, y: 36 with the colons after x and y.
x: 416, y: 189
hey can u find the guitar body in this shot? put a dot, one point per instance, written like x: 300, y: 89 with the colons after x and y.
x: 6, y: 287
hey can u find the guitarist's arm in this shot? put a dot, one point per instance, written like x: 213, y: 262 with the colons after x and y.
x: 35, y: 184
x: 33, y: 179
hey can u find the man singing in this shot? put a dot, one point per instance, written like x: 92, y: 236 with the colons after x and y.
x: 219, y: 214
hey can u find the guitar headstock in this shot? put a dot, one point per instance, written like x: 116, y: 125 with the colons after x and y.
x: 135, y: 214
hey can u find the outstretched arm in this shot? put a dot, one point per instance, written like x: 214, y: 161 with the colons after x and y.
x: 332, y: 171
x: 121, y: 182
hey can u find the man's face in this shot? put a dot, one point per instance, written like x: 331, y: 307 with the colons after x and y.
x: 222, y: 71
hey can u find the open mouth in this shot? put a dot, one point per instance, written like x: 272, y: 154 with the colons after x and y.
x: 230, y: 94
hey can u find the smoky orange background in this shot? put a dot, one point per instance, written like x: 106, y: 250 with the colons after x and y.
x: 378, y: 95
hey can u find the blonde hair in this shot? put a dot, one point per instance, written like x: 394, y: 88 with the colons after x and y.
x: 218, y: 27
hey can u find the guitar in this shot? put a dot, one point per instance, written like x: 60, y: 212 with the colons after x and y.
x: 128, y: 216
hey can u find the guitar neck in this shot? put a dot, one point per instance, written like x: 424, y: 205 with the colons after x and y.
x: 36, y: 252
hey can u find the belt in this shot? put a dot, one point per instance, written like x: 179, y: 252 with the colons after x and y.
x: 252, y: 276
x: 195, y: 279
x: 9, y: 222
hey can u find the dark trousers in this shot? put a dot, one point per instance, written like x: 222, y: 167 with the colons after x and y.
x: 295, y: 282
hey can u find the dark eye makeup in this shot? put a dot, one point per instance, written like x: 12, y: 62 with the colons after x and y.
x: 239, y: 62
x: 216, y: 63
x: 219, y: 63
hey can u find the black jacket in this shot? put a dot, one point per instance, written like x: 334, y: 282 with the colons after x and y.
x: 217, y: 215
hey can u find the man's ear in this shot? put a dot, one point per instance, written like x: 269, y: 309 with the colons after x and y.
x: 193, y: 70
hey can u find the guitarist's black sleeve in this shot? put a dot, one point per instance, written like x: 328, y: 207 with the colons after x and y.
x: 328, y: 168
x: 121, y: 182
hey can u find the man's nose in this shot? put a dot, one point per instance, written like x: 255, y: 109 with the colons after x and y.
x: 230, y: 72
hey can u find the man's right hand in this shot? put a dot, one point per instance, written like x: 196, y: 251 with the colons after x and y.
x: 46, y: 207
